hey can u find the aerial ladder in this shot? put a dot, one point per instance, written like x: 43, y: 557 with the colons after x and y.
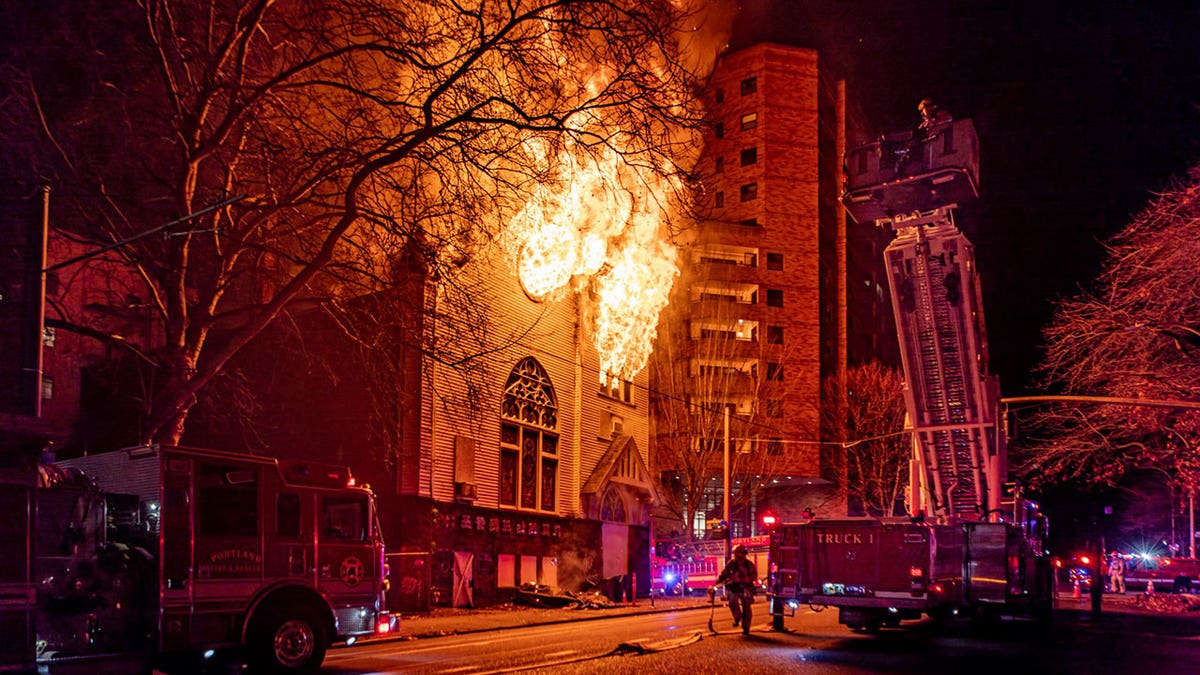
x: 910, y: 184
x: 968, y: 544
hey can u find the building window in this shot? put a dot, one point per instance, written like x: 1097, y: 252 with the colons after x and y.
x: 48, y: 336
x: 775, y: 335
x: 749, y: 156
x: 775, y: 261
x: 528, y: 444
x: 719, y: 164
x: 774, y: 408
x: 775, y: 446
x: 47, y: 387
x: 774, y: 297
x: 749, y: 222
x: 749, y: 121
x: 612, y: 507
x: 749, y: 86
x: 719, y: 130
x: 616, y: 388
x: 775, y: 371
x: 719, y: 95
x: 719, y: 200
x: 749, y: 192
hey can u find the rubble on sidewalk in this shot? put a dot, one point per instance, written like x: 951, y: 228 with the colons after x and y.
x: 541, y: 595
x: 1167, y: 603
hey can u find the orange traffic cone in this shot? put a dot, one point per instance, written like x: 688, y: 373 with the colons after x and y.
x: 1075, y: 593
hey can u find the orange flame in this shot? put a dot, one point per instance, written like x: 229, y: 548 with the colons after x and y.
x: 599, y: 222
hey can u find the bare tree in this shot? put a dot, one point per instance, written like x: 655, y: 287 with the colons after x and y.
x: 873, y: 459
x: 1135, y: 334
x: 351, y: 130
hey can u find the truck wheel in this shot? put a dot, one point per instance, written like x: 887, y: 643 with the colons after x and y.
x: 287, y: 639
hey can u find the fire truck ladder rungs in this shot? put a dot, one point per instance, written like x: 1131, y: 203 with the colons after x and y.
x: 938, y: 331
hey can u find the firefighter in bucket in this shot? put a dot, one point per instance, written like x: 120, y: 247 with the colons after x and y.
x: 738, y: 577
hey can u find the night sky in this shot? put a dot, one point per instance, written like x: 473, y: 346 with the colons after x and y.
x: 1083, y: 109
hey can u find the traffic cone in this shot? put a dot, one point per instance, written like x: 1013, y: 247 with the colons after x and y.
x: 1075, y: 593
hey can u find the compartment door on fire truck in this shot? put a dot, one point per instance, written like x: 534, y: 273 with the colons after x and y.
x: 16, y: 600
x: 289, y: 546
x: 464, y: 579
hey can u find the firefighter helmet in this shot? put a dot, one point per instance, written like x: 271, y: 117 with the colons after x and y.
x: 739, y: 550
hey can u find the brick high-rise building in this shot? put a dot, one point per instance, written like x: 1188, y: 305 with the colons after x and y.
x: 768, y: 288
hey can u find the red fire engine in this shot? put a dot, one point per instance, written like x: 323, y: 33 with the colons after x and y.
x: 686, y: 568
x: 970, y: 545
x: 165, y: 554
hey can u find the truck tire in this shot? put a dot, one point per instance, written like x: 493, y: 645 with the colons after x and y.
x: 288, y: 638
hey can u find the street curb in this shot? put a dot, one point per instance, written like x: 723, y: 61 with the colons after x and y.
x: 550, y: 622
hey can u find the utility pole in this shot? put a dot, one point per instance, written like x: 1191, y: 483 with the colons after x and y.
x: 1192, y: 522
x: 725, y: 500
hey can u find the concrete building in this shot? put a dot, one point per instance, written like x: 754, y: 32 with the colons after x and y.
x: 771, y: 298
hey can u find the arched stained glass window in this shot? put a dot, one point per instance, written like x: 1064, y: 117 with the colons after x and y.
x: 528, y: 444
x: 612, y: 507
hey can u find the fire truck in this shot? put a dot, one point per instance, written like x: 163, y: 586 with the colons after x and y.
x: 972, y: 544
x: 679, y: 568
x: 168, y: 556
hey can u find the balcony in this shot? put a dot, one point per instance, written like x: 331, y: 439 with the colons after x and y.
x: 728, y: 232
x: 738, y: 384
x: 726, y: 311
x: 713, y: 345
x: 721, y: 271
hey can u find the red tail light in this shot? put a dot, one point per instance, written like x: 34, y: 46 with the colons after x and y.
x: 385, y: 624
x: 916, y: 577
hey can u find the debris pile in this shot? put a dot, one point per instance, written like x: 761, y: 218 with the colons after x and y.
x: 1167, y: 603
x: 541, y: 595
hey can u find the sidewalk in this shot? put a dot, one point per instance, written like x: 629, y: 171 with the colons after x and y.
x: 451, y: 621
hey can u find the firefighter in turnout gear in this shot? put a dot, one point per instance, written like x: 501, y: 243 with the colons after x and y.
x: 738, y: 577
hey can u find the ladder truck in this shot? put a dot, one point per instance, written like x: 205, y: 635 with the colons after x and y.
x: 972, y: 544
